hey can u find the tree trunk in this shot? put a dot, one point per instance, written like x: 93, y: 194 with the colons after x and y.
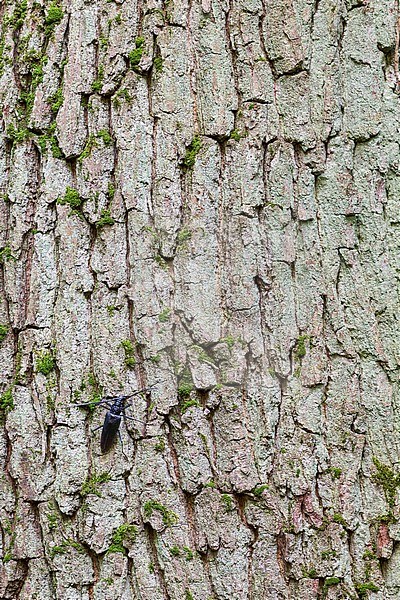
x: 202, y: 198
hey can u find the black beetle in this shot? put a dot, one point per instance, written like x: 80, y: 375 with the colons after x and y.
x: 116, y: 411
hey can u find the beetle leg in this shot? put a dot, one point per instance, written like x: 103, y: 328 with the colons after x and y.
x: 97, y: 428
x: 132, y: 419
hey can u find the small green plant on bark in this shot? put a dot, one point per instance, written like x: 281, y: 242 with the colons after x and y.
x: 338, y: 518
x: 53, y: 17
x: 6, y: 401
x: 136, y: 54
x: 228, y: 502
x: 71, y: 198
x: 160, y: 446
x: 164, y: 315
x: 362, y: 589
x: 105, y: 219
x: 169, y: 518
x: 125, y: 533
x: 300, y: 350
x: 175, y: 551
x: 98, y: 82
x: 6, y: 254
x: 105, y: 135
x: 3, y: 332
x: 388, y: 479
x: 64, y: 546
x: 45, y: 362
x: 129, y: 350
x: 91, y: 485
x: 192, y: 151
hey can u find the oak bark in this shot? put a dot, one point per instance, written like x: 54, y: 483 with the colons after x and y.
x: 202, y: 196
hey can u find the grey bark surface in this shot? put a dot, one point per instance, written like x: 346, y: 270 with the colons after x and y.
x: 204, y: 195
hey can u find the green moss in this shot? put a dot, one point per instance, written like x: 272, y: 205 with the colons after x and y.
x: 48, y: 138
x: 175, y: 551
x: 19, y: 14
x: 188, y: 595
x: 3, y: 332
x: 310, y: 574
x: 56, y: 100
x: 335, y: 472
x: 53, y: 17
x: 105, y: 219
x: 164, y: 315
x: 57, y: 550
x: 111, y: 191
x: 227, y: 500
x: 63, y: 547
x: 331, y: 581
x: 98, y: 82
x: 184, y: 406
x: 87, y: 150
x: 229, y: 340
x: 191, y: 153
x: 338, y: 518
x: 105, y: 136
x: 188, y: 553
x: 93, y: 389
x: 90, y: 486
x: 183, y: 236
x: 169, y: 518
x: 328, y: 554
x: 17, y: 135
x: 72, y: 198
x: 6, y: 254
x: 45, y: 362
x: 185, y: 388
x: 363, y: 588
x: 258, y: 490
x: 52, y: 520
x: 160, y: 446
x: 235, y: 135
x: 125, y: 533
x: 6, y: 401
x: 155, y: 359
x: 130, y: 360
x: 158, y: 64
x: 388, y: 479
x: 300, y: 350
x: 7, y: 557
x: 210, y: 484
x: 387, y: 518
x: 136, y: 54
x: 122, y: 95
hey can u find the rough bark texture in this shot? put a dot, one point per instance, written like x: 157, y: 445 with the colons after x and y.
x: 206, y: 195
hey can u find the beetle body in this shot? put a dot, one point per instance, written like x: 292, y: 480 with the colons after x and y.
x: 110, y: 429
x: 115, y: 413
x: 111, y: 423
